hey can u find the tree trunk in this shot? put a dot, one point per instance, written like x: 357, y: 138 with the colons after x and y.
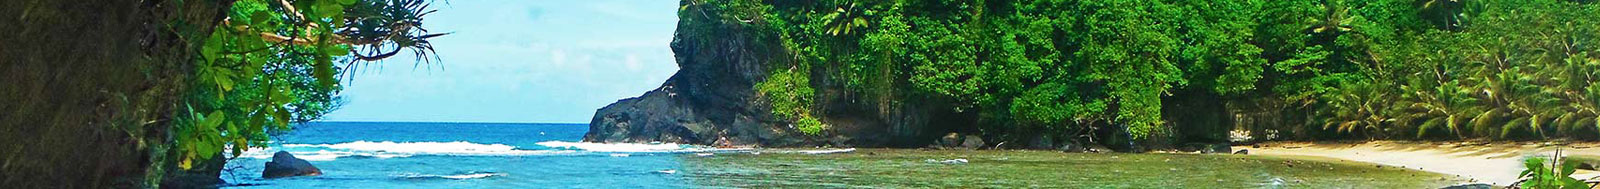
x: 88, y: 88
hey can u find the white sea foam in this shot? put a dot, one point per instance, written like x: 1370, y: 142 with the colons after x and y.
x: 472, y: 176
x: 323, y: 155
x: 388, y: 149
x: 440, y: 148
x: 456, y: 177
x: 622, y: 147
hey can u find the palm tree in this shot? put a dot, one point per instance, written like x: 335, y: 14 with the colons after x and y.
x: 1334, y: 21
x: 844, y: 19
x: 1358, y: 108
x: 1445, y: 14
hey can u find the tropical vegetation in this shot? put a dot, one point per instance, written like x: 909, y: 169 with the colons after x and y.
x: 270, y: 63
x: 1368, y: 69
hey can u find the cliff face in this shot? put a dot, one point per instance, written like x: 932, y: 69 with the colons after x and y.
x: 711, y: 97
x: 87, y: 88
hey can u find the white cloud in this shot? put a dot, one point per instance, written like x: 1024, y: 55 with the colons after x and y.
x: 632, y: 62
x: 524, y: 61
x: 558, y: 57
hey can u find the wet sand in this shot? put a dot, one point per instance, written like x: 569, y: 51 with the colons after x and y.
x: 1496, y: 163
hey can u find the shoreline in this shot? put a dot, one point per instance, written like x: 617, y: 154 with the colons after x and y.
x: 965, y: 168
x: 1494, y: 163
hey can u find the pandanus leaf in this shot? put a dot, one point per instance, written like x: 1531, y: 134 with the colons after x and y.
x: 1535, y: 125
x: 1483, y: 122
x: 1422, y: 130
x: 1506, y: 130
x: 1589, y: 120
x: 1454, y: 123
x: 1348, y: 126
x: 1564, y: 124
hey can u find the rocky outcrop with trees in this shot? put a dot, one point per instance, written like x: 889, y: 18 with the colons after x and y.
x: 1127, y: 74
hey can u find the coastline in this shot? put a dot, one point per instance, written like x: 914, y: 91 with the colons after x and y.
x: 963, y: 168
x: 1495, y: 163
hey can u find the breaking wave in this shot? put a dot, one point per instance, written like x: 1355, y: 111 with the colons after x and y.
x: 389, y: 149
x: 474, y: 175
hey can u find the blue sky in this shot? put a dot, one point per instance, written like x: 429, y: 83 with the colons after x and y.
x: 545, y: 61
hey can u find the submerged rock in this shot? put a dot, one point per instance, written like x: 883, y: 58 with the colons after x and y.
x: 206, y: 174
x: 284, y: 164
x: 1072, y: 147
x: 972, y: 142
x: 1096, y: 148
x: 1207, y: 148
x: 1219, y: 148
x: 1470, y: 186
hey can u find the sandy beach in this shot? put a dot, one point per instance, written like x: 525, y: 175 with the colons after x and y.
x: 1496, y: 163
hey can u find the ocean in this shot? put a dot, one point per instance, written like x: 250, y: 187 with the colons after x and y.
x: 461, y: 155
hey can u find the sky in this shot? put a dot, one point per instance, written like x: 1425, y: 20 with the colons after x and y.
x: 524, y: 61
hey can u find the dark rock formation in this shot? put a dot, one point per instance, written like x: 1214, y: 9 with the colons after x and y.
x: 1206, y: 147
x: 972, y: 142
x: 1072, y: 147
x: 205, y: 174
x: 1096, y: 148
x: 284, y: 164
x: 1041, y: 143
x: 712, y: 96
x: 951, y: 140
x: 1242, y: 152
x: 88, y: 88
x: 1220, y: 148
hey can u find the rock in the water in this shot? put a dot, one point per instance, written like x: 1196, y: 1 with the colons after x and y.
x: 1071, y: 147
x: 206, y: 174
x: 1190, y: 147
x: 1470, y: 186
x: 713, y: 95
x: 1218, y: 148
x: 972, y: 142
x: 949, y: 140
x: 1096, y: 148
x: 284, y: 164
x: 1242, y: 152
x: 948, y: 161
x: 1041, y: 143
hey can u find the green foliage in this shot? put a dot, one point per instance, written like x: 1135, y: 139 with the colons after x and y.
x: 1480, y: 74
x: 1558, y: 175
x: 271, y: 63
x: 790, y: 94
x: 1370, y: 68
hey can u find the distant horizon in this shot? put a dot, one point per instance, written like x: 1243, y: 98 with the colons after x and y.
x: 533, y: 62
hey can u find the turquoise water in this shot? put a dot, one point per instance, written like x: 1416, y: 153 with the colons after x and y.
x: 461, y: 155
